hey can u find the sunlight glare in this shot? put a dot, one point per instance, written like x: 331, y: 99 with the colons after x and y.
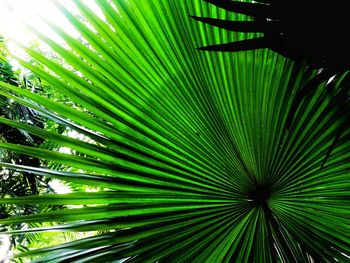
x: 17, y: 15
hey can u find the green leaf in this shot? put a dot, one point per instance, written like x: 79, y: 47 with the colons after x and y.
x: 194, y: 154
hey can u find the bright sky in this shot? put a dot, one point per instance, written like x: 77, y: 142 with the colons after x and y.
x: 15, y: 14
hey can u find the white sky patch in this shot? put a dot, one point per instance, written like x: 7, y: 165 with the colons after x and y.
x: 4, y: 248
x: 59, y: 187
x: 65, y: 150
x: 15, y: 15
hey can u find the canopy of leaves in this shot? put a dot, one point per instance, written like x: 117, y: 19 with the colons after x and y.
x: 190, y: 149
x: 18, y: 183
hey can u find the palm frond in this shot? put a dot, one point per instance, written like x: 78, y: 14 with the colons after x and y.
x: 190, y: 149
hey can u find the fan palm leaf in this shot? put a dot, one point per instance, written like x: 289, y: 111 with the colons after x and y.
x: 190, y: 149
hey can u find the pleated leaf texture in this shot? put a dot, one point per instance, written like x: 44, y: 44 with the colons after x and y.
x: 188, y: 148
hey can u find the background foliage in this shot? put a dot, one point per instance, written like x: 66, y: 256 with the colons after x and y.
x: 14, y: 183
